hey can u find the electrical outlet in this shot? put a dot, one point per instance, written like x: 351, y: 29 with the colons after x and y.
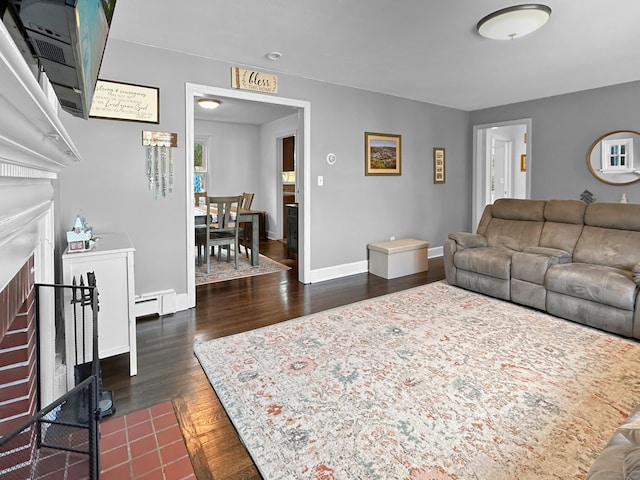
x: 392, y: 238
x: 320, y: 180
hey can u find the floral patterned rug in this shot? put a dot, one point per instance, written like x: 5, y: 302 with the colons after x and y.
x: 223, y: 270
x: 432, y: 383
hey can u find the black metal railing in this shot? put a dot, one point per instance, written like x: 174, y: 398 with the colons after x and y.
x: 63, y: 437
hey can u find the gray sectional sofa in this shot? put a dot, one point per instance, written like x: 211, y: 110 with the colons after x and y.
x: 620, y: 458
x: 571, y: 259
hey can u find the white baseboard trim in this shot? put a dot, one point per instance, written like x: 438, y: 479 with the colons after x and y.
x: 155, y: 303
x: 344, y: 270
x: 337, y: 271
x: 318, y: 275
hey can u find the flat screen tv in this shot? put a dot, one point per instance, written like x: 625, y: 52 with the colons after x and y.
x: 69, y: 38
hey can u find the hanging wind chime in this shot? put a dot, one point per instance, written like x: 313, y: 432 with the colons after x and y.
x: 159, y: 160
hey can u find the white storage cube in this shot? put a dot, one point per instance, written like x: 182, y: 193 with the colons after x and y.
x: 397, y: 258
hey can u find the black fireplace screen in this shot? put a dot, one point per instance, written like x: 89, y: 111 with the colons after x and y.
x: 63, y: 438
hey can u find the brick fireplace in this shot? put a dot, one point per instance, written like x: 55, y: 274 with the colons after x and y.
x: 18, y: 386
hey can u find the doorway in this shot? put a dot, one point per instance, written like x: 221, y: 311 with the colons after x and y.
x: 288, y: 177
x: 501, y: 163
x: 302, y: 152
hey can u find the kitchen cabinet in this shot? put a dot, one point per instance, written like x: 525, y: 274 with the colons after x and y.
x: 292, y: 228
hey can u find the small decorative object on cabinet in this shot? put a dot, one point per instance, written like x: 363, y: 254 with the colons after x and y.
x: 79, y: 237
x: 111, y: 259
x: 292, y: 228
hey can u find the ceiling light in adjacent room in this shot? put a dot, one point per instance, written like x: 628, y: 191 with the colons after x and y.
x: 514, y: 22
x: 208, y: 103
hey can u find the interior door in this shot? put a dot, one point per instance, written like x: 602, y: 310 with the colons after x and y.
x: 288, y: 177
x: 500, y: 171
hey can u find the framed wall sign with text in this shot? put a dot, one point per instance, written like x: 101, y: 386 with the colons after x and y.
x: 125, y: 101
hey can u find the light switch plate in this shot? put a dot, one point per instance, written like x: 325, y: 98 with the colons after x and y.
x: 320, y: 180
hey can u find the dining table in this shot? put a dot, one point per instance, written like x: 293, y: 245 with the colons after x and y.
x: 248, y: 216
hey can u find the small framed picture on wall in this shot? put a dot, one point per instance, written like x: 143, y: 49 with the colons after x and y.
x: 438, y: 165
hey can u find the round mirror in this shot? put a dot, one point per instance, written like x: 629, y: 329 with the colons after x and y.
x: 614, y: 158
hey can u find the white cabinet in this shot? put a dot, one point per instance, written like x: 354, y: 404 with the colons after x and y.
x: 111, y: 259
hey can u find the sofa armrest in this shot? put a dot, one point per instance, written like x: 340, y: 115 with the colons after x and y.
x: 635, y: 272
x: 468, y: 240
x: 562, y: 255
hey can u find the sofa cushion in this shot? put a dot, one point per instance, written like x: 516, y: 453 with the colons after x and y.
x: 631, y: 464
x: 532, y: 264
x: 518, y: 209
x: 608, y: 247
x: 468, y: 240
x: 606, y: 285
x: 513, y: 234
x: 495, y: 262
x: 631, y: 430
x: 563, y: 236
x: 620, y: 216
x: 562, y: 255
x: 565, y: 211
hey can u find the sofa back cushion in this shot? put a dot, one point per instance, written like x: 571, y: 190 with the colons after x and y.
x: 611, y: 236
x: 514, y: 224
x: 563, y: 225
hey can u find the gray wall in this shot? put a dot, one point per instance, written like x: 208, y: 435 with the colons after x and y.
x: 347, y: 213
x: 563, y: 129
x: 234, y: 156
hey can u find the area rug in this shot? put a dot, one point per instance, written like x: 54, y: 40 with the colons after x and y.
x: 223, y: 270
x: 432, y: 383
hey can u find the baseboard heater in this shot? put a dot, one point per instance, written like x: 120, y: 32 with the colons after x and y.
x: 155, y: 303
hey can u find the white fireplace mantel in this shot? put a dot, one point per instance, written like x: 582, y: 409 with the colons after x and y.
x: 34, y: 147
x: 31, y: 134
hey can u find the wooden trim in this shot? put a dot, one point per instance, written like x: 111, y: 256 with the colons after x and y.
x: 190, y: 434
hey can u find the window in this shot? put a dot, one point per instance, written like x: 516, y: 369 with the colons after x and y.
x: 617, y: 155
x: 200, y: 161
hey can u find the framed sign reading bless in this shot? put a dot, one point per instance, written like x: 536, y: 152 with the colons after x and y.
x: 125, y: 101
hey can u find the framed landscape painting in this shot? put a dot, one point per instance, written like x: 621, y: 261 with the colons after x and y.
x: 382, y: 154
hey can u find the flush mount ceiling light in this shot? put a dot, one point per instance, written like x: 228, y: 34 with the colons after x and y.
x: 514, y: 22
x: 274, y: 56
x: 208, y: 103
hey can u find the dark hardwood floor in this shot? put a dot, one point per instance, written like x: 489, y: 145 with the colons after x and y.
x: 169, y: 370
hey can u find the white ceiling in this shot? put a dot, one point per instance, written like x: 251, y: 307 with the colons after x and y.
x: 235, y: 110
x: 426, y: 50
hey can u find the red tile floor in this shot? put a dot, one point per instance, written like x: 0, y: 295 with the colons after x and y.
x: 144, y: 445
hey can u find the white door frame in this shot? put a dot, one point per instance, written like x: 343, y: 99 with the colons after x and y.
x: 481, y: 168
x: 279, y: 203
x: 507, y: 160
x: 304, y: 188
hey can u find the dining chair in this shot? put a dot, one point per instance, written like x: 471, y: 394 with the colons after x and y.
x: 222, y: 227
x: 245, y: 227
x: 200, y: 198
